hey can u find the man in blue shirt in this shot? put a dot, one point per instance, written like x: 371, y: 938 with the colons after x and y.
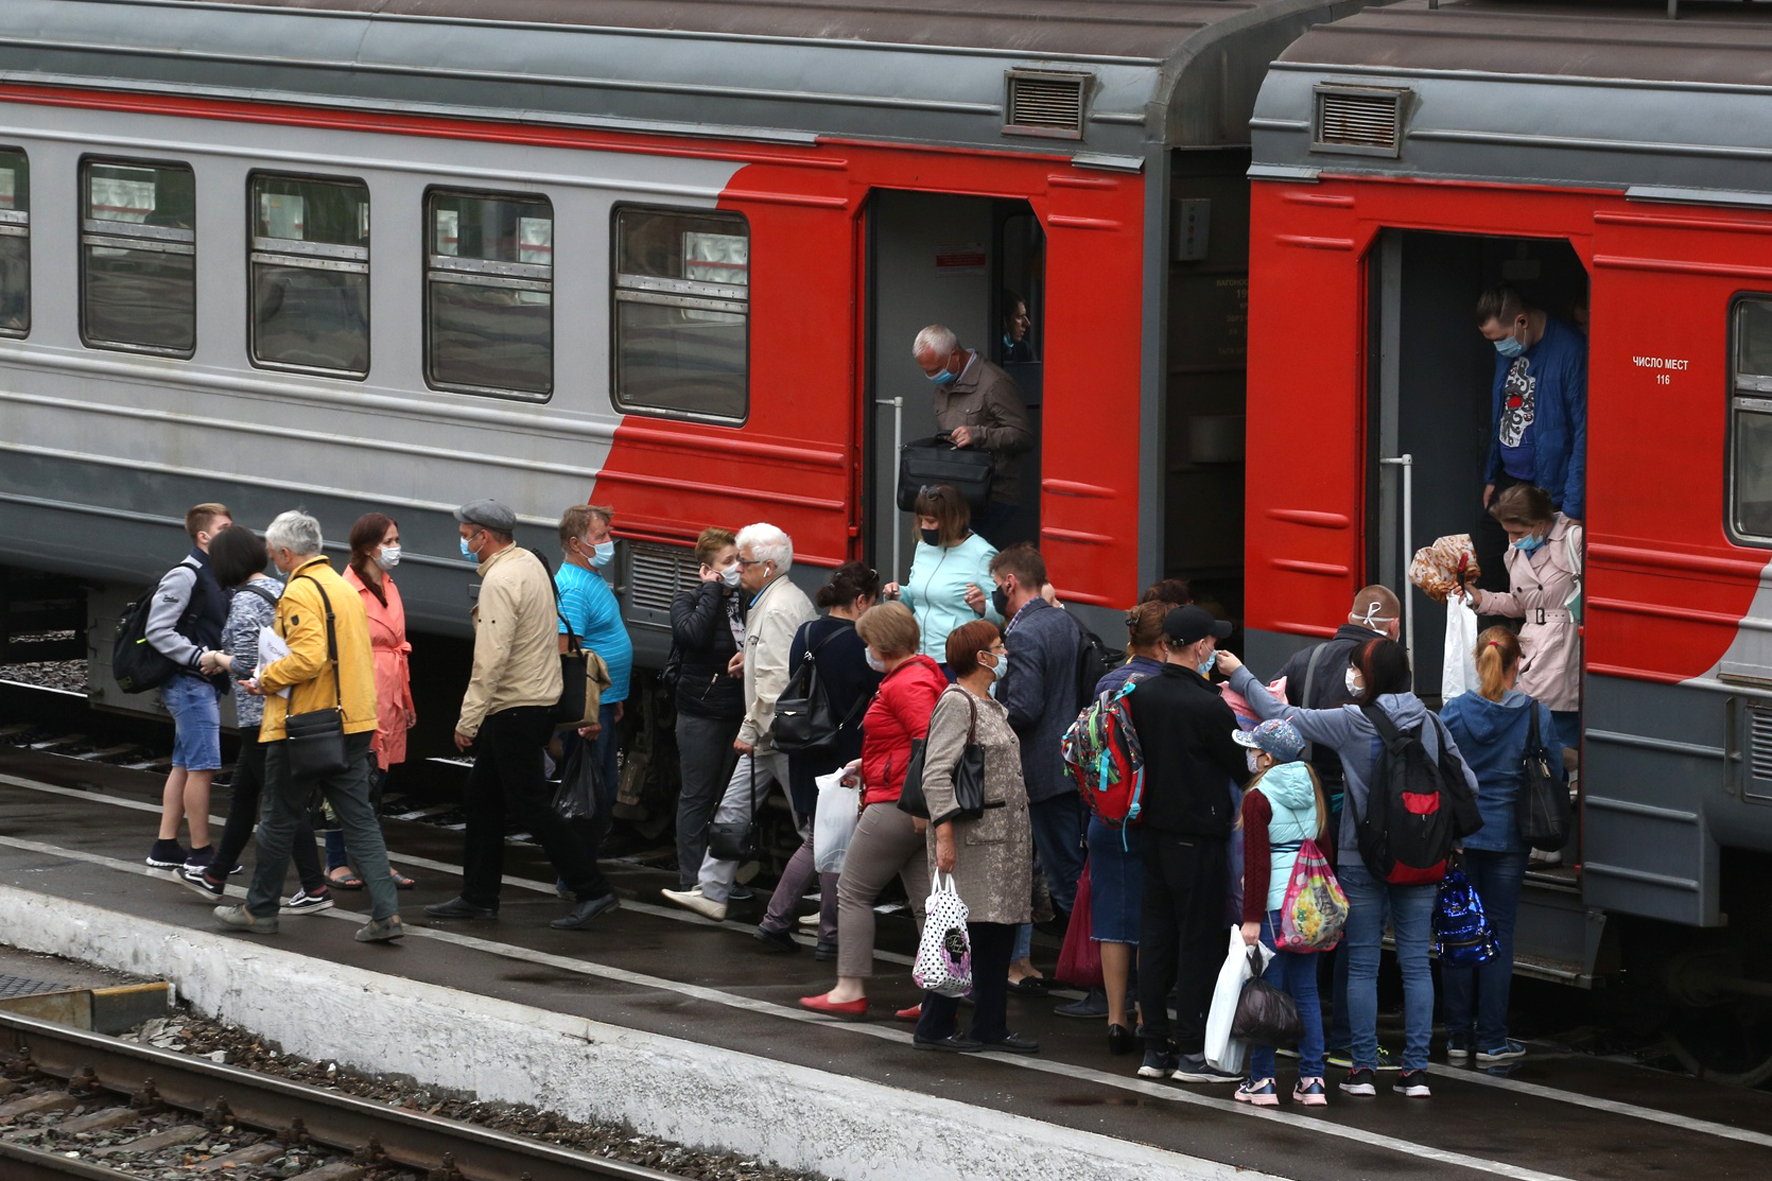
x: 591, y: 608
x: 1538, y: 405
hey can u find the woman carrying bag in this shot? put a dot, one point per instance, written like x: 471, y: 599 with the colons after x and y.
x: 990, y: 858
x: 1493, y: 727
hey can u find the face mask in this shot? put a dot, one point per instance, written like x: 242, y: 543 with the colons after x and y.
x: 388, y: 557
x: 1205, y: 666
x: 930, y: 536
x: 729, y: 576
x: 465, y: 551
x: 1253, y: 760
x: 1000, y: 602
x: 601, y: 553
x: 1507, y: 346
x: 1001, y: 667
x: 1352, y: 680
x: 1008, y: 341
x: 874, y: 662
x: 1527, y: 545
x: 945, y: 377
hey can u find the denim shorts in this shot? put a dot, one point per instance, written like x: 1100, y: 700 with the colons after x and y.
x: 1116, y: 882
x: 195, y: 706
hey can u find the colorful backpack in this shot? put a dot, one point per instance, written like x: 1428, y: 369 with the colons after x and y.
x: 1315, y: 909
x: 1462, y: 935
x: 1103, y: 758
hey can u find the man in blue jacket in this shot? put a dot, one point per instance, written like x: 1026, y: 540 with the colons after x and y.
x: 1538, y: 406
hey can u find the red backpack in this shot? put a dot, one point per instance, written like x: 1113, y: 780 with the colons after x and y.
x: 1102, y: 756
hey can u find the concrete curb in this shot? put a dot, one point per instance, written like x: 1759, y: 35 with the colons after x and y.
x: 682, y: 1091
x: 116, y: 1009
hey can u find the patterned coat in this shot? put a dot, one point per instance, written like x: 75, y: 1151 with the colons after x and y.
x: 994, y: 855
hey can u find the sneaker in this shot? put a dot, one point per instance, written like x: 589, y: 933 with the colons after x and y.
x: 1286, y: 1051
x: 167, y: 855
x: 204, y: 858
x: 1344, y: 1057
x: 245, y: 920
x: 306, y: 903
x: 808, y: 920
x: 381, y: 930
x: 1259, y: 1091
x: 198, y: 880
x: 775, y: 941
x: 1310, y: 1092
x: 1360, y: 1082
x: 695, y: 900
x: 1412, y: 1083
x: 1507, y: 1051
x: 1458, y: 1048
x: 1193, y: 1068
x: 1159, y: 1060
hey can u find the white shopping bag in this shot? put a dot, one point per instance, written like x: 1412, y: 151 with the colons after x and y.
x: 944, y: 955
x: 1459, y: 673
x: 1222, y: 1050
x: 833, y: 826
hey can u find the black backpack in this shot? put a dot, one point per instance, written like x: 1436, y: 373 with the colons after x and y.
x: 137, y: 665
x: 804, y: 722
x: 1094, y: 659
x: 1415, y: 808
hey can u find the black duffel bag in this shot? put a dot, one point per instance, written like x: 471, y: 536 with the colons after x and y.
x: 925, y: 463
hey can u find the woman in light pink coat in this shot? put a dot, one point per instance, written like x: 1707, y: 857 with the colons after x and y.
x: 1544, y: 583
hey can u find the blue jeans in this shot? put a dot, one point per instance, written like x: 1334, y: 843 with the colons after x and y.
x: 1497, y: 879
x: 1568, y: 727
x: 1412, y: 915
x: 1295, y: 974
x: 1058, y: 838
x: 195, y: 706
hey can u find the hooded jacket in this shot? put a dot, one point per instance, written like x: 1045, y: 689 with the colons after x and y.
x: 1494, y: 733
x: 1279, y: 813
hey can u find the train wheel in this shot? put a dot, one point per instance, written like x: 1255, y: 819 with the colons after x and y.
x: 1723, y: 1030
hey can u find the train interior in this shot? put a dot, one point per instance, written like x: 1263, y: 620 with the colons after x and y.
x: 1431, y: 374
x: 936, y: 258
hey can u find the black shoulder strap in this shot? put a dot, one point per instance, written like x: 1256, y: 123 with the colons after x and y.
x: 338, y: 690
x: 572, y: 641
x: 1533, y: 745
x: 1310, y: 676
x: 262, y: 593
x: 1381, y: 721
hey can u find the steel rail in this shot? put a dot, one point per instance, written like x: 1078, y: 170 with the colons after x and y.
x: 339, y: 1121
x: 18, y: 1163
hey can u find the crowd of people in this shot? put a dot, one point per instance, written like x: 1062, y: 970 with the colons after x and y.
x: 968, y: 668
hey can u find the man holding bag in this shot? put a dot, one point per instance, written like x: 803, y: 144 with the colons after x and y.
x: 329, y: 669
x: 507, y: 716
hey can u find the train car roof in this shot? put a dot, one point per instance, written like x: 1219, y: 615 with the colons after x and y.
x: 1121, y: 77
x: 1608, y: 95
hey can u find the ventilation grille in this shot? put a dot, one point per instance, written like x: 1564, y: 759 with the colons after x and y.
x: 1759, y: 744
x: 1359, y: 121
x: 1044, y: 104
x: 655, y: 574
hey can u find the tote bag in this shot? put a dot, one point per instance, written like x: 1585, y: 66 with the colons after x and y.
x: 944, y: 954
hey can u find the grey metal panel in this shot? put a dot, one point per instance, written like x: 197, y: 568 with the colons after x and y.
x: 1541, y: 94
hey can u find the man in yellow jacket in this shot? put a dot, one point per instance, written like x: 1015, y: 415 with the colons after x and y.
x: 317, y: 614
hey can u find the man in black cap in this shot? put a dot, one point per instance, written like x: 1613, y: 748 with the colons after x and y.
x: 507, y: 717
x: 1185, y: 728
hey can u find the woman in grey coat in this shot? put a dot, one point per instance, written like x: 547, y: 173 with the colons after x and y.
x: 990, y: 858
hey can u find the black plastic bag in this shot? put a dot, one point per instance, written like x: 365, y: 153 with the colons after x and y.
x: 1265, y: 1015
x: 578, y: 798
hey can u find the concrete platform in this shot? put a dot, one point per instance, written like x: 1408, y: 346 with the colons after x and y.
x: 688, y: 1031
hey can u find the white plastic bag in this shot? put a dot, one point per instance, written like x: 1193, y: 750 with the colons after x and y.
x: 1222, y: 1050
x: 944, y: 955
x: 833, y: 826
x: 1459, y: 673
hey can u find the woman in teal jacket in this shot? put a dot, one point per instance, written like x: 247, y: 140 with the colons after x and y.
x: 950, y: 572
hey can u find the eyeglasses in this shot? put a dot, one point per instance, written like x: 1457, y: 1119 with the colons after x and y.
x: 752, y: 562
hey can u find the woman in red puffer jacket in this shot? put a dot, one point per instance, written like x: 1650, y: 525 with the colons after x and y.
x: 886, y: 841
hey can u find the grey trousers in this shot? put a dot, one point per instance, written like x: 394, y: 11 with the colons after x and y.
x: 285, y: 812
x: 717, y: 876
x: 884, y: 845
x: 704, y: 756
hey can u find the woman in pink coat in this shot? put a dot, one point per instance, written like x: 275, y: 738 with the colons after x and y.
x: 375, y: 551
x: 1544, y: 580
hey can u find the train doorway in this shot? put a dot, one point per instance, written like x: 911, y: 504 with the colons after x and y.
x: 970, y: 263
x: 1432, y: 375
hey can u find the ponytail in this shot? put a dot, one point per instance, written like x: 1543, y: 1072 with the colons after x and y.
x: 1497, y: 653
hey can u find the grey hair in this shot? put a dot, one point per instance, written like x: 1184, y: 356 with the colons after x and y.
x: 935, y: 339
x: 768, y: 544
x: 294, y: 531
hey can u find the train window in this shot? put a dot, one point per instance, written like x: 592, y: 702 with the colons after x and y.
x: 15, y: 243
x: 1751, y: 430
x: 309, y: 267
x: 682, y: 313
x: 138, y: 255
x: 489, y: 293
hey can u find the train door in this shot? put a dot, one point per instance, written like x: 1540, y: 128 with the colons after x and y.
x: 1432, y: 375
x: 935, y: 258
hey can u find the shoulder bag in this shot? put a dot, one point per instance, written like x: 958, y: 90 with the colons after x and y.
x: 1542, y: 808
x: 804, y: 721
x: 968, y: 777
x: 315, y: 740
x: 584, y: 675
x: 736, y: 840
x: 935, y: 460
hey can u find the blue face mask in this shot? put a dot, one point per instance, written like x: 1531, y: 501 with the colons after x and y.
x: 465, y: 551
x: 1507, y: 346
x: 945, y: 377
x: 1527, y: 545
x: 602, y: 552
x: 1205, y: 666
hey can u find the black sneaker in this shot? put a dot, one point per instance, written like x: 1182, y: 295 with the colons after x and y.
x: 167, y: 855
x: 1360, y: 1082
x: 1193, y: 1068
x: 199, y: 880
x: 1412, y: 1083
x: 306, y: 903
x: 1160, y: 1060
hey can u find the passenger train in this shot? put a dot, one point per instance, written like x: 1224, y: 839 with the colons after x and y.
x: 399, y: 254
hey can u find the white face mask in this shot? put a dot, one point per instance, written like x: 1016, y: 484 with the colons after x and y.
x: 1352, y: 681
x: 388, y: 557
x: 1001, y: 667
x: 729, y: 576
x: 602, y: 553
x: 874, y: 662
x: 1254, y: 761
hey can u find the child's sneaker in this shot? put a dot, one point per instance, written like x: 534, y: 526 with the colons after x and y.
x: 1259, y: 1091
x: 1507, y: 1051
x: 1310, y: 1092
x: 1360, y: 1082
x: 167, y: 854
x: 1412, y: 1083
x: 1458, y: 1048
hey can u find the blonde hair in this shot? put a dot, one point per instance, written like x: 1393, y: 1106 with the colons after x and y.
x: 889, y: 629
x: 1497, y: 653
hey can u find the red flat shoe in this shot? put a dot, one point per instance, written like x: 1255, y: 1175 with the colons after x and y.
x: 846, y: 1010
x: 913, y: 1014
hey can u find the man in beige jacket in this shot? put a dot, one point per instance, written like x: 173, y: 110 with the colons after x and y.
x: 507, y: 718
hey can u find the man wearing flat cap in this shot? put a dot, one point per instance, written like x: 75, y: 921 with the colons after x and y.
x: 1190, y: 760
x: 507, y: 718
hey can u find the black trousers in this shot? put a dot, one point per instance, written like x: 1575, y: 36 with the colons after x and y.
x: 992, y: 945
x: 1182, y: 936
x: 243, y: 808
x: 508, y: 785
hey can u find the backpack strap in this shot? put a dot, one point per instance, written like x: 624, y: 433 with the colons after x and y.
x: 261, y: 592
x: 1310, y: 677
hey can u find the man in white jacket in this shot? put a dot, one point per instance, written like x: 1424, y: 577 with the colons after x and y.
x: 776, y: 610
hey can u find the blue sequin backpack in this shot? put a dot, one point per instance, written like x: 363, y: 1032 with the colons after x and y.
x: 1462, y: 935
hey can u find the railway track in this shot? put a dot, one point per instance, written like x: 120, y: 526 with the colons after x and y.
x: 65, y: 1092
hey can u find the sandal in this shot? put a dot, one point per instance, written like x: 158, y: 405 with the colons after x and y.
x: 349, y: 882
x: 401, y: 881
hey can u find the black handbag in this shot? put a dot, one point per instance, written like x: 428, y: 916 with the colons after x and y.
x: 968, y: 777
x: 1542, y: 808
x: 315, y: 741
x: 579, y: 796
x: 1265, y: 1015
x: 737, y: 840
x: 924, y: 463
x: 804, y: 721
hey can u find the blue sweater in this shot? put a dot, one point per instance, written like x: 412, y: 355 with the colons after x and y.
x: 936, y: 589
x: 1538, y: 417
x: 1492, y: 737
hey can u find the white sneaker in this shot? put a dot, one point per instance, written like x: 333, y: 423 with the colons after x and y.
x: 306, y: 903
x: 808, y: 920
x: 695, y: 900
